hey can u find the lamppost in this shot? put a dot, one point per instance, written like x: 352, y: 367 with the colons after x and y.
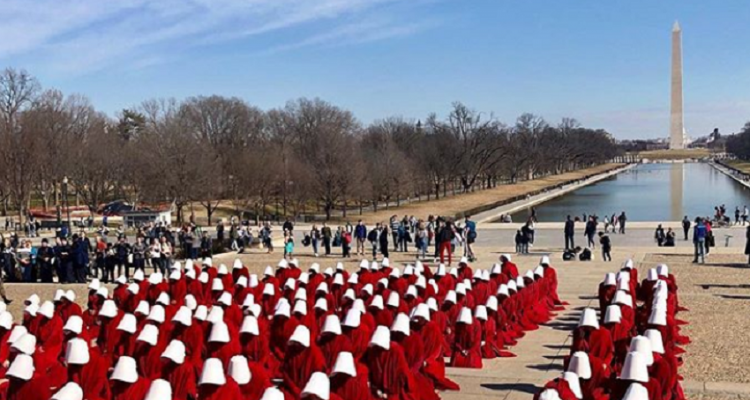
x: 65, y: 198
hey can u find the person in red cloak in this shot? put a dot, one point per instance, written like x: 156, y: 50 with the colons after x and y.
x: 332, y: 342
x: 126, y: 384
x: 467, y: 343
x: 590, y: 338
x: 550, y: 275
x: 349, y: 380
x: 24, y: 383
x: 592, y: 375
x: 177, y: 286
x: 254, y: 341
x: 120, y: 293
x: 223, y: 343
x: 489, y: 333
x: 663, y: 369
x: 415, y: 357
x: 434, y: 347
x: 191, y: 334
x: 213, y: 384
x: 358, y: 333
x: 31, y: 318
x: 503, y: 337
x: 50, y: 332
x: 302, y: 358
x: 556, y: 389
x: 509, y: 269
x: 607, y: 290
x: 251, y: 378
x: 389, y: 373
x: 318, y: 388
x: 620, y: 334
x: 269, y: 299
x: 125, y: 337
x: 147, y: 352
x: 178, y: 371
x: 87, y: 369
x: 282, y: 328
x: 635, y: 370
x: 108, y: 319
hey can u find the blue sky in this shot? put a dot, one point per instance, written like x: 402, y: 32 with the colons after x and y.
x: 605, y: 63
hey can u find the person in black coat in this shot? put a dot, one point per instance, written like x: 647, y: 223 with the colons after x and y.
x: 570, y: 228
x: 80, y: 260
x: 747, y: 243
x: 44, y: 257
x: 384, y: 240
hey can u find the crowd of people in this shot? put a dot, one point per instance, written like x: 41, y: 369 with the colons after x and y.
x: 206, y: 332
x: 631, y: 349
x: 444, y: 235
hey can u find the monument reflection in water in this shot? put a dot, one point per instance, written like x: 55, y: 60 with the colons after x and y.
x: 650, y: 192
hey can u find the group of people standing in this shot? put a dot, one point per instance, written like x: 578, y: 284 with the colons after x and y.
x: 443, y: 234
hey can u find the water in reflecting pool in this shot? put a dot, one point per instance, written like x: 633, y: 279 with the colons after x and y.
x: 650, y: 192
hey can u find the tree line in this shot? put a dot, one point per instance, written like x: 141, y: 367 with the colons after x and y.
x: 738, y: 144
x: 308, y: 157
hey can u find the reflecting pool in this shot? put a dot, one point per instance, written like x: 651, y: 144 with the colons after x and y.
x: 649, y: 192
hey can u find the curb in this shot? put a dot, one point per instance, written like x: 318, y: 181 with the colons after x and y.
x: 717, y: 388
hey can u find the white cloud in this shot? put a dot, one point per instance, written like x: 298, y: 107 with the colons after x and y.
x: 88, y: 35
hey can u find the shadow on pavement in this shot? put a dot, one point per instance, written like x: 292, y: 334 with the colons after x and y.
x: 546, y: 367
x: 520, y: 387
x: 720, y: 286
x: 733, y: 297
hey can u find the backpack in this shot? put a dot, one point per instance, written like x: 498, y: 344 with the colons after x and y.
x: 373, y: 235
x: 585, y: 255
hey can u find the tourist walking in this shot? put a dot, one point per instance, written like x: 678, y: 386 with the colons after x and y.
x: 374, y: 237
x: 606, y: 246
x: 315, y: 238
x: 621, y: 220
x: 383, y: 241
x: 737, y: 215
x: 744, y: 215
x: 530, y: 229
x: 699, y: 241
x: 394, y: 223
x: 445, y: 235
x: 470, y: 230
x: 570, y: 228
x: 522, y: 245
x: 360, y: 233
x: 327, y: 236
x: 288, y: 244
x: 421, y: 239
x: 686, y: 226
x: 747, y: 243
x: 590, y: 232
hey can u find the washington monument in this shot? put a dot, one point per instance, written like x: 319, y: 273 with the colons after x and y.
x: 677, y: 128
